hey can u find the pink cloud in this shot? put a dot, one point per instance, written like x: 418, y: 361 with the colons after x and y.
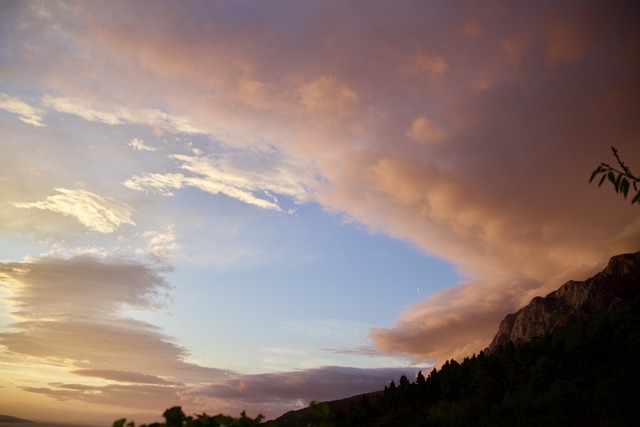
x: 531, y: 96
x: 275, y: 393
x: 424, y: 130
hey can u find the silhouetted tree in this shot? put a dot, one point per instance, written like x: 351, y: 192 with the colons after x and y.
x: 175, y: 417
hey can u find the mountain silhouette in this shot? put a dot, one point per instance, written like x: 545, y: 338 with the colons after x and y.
x: 569, y: 358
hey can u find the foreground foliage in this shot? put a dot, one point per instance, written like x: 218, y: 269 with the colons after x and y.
x: 622, y: 178
x: 175, y: 417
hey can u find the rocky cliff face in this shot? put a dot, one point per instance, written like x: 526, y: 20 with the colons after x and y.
x: 606, y: 291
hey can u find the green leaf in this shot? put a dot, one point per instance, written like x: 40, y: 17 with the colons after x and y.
x: 624, y: 187
x: 602, y: 180
x: 618, y: 182
x: 612, y: 178
x: 636, y: 199
x: 119, y: 423
x: 595, y: 172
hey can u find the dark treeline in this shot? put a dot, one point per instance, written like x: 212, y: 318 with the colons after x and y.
x: 586, y: 374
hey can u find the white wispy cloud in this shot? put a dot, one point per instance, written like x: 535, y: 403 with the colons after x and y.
x: 211, y: 178
x: 161, y: 243
x: 139, y: 145
x: 114, y: 114
x: 158, y: 183
x: 254, y: 184
x: 92, y: 210
x: 27, y: 113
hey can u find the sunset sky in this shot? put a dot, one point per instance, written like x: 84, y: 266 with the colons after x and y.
x: 234, y: 204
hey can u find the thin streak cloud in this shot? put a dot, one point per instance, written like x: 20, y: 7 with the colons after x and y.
x: 254, y: 184
x: 117, y: 114
x: 139, y: 145
x: 93, y: 211
x: 27, y: 113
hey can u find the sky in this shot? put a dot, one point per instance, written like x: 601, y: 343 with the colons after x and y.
x: 248, y: 205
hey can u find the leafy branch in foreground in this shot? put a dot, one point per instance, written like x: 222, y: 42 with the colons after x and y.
x: 174, y: 417
x: 622, y: 179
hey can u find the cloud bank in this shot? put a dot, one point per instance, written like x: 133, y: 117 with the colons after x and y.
x: 274, y: 393
x: 70, y: 315
x: 467, y: 129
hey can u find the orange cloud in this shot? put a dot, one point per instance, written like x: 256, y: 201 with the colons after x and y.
x: 505, y: 199
x: 424, y: 130
x: 424, y: 64
x: 325, y: 93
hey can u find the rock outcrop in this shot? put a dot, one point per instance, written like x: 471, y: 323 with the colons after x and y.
x: 608, y: 290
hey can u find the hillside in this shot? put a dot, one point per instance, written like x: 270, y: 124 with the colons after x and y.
x: 570, y: 358
x: 10, y: 419
x: 608, y: 290
x: 305, y: 417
